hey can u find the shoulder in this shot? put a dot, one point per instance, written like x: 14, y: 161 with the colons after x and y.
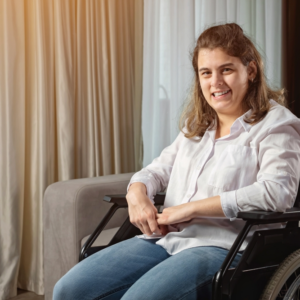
x: 279, y: 116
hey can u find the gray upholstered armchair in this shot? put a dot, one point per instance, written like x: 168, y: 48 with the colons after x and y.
x: 72, y: 210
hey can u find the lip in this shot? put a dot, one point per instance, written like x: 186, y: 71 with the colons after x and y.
x: 222, y: 96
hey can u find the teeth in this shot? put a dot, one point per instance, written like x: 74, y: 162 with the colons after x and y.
x: 219, y: 94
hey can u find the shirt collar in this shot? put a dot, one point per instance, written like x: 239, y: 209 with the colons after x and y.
x: 245, y: 125
x: 236, y: 126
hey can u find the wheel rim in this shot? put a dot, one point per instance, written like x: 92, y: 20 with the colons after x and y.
x: 293, y: 292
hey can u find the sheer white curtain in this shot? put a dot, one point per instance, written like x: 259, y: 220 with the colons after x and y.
x: 171, y: 28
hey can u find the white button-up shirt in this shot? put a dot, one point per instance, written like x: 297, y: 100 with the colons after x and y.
x: 255, y: 167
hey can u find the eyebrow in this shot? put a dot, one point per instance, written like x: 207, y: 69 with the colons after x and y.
x: 222, y: 66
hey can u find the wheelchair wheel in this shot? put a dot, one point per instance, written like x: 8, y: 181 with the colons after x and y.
x: 285, y: 282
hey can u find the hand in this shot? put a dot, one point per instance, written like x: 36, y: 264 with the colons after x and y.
x: 209, y: 207
x: 176, y: 214
x: 164, y: 229
x: 142, y: 212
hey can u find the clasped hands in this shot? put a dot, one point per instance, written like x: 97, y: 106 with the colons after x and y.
x: 144, y: 215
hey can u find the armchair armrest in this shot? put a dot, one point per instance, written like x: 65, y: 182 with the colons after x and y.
x: 72, y: 209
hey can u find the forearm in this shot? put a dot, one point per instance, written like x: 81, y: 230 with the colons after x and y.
x: 267, y: 195
x: 210, y: 207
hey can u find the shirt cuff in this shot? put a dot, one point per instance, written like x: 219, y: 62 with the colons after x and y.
x: 148, y: 185
x: 229, y: 204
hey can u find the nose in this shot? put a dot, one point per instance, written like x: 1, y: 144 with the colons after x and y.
x: 216, y: 80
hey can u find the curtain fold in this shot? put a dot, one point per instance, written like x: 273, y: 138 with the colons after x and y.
x: 70, y: 100
x: 12, y: 137
x: 171, y: 28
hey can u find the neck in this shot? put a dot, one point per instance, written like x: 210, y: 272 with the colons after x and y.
x: 225, y: 122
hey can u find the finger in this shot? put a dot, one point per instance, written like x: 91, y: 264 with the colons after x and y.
x: 136, y: 224
x: 161, y: 220
x: 139, y: 226
x: 146, y: 228
x: 154, y: 226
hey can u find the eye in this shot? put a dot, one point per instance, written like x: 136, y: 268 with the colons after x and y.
x: 226, y: 70
x: 205, y: 73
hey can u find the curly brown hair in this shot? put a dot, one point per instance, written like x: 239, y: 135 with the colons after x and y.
x: 198, y: 116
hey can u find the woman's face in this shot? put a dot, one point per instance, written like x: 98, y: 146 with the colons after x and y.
x: 224, y: 80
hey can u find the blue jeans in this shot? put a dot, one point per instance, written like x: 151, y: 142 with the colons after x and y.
x: 139, y: 269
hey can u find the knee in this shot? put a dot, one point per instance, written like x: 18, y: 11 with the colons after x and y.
x: 63, y: 289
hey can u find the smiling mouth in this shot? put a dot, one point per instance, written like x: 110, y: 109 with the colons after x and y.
x: 220, y: 93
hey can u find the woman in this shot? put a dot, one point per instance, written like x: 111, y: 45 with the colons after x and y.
x: 238, y: 150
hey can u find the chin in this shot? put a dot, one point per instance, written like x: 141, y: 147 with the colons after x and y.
x: 222, y: 108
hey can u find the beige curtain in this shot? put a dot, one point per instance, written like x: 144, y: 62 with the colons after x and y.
x: 70, y: 101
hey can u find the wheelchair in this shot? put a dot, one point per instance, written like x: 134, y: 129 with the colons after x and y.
x: 269, y: 268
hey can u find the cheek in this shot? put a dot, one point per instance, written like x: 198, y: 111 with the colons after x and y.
x: 239, y: 86
x: 204, y: 87
x: 243, y: 87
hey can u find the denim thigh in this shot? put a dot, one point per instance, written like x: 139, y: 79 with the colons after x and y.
x: 186, y: 275
x: 108, y: 273
x: 140, y: 269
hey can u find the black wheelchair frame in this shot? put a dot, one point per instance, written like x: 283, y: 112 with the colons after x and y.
x: 261, y: 258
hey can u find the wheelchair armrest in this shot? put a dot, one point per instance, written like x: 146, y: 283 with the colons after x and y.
x: 120, y: 200
x: 291, y: 214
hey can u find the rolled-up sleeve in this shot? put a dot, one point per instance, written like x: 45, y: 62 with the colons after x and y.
x: 278, y: 177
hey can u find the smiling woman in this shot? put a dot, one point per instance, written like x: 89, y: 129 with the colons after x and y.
x: 224, y: 83
x: 238, y: 150
x: 226, y: 60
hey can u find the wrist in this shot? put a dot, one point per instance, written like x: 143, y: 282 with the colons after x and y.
x: 138, y: 187
x: 192, y: 210
x: 137, y: 194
